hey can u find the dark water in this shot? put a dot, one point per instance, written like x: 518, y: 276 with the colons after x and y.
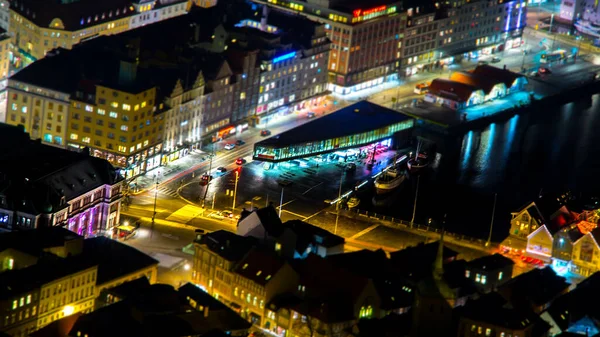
x: 544, y: 151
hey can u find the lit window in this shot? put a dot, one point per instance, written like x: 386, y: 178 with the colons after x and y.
x: 146, y: 143
x: 467, y: 273
x: 89, y: 108
x: 14, y: 106
x: 483, y: 279
x: 124, y: 128
x: 86, y: 140
x: 114, y: 104
x: 101, y: 112
x: 277, y: 247
x: 14, y: 306
x: 488, y: 332
x: 113, y: 114
x: 243, y: 95
x: 28, y: 299
x: 24, y: 109
x: 73, y: 136
x: 22, y: 301
x: 122, y: 148
x: 477, y: 278
x: 143, y: 104
x: 136, y: 107
x: 126, y: 107
x: 235, y: 291
x: 500, y: 275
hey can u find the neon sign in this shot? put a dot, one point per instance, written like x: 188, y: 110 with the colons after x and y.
x: 284, y: 57
x: 360, y: 12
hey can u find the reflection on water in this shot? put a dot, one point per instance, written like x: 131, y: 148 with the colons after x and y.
x: 550, y: 150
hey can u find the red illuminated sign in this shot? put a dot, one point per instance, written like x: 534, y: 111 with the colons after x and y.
x: 360, y: 12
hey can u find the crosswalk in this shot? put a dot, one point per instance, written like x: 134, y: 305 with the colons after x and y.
x: 163, y: 190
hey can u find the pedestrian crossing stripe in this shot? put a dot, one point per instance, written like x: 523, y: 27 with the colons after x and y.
x: 168, y: 191
x: 185, y: 214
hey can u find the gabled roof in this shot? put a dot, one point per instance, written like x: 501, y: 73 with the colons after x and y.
x: 533, y: 211
x: 534, y: 288
x: 484, y: 83
x: 505, y: 76
x: 493, y: 309
x: 456, y: 91
x: 491, y: 262
x: 270, y: 220
x: 260, y: 266
x: 229, y: 246
x: 307, y: 234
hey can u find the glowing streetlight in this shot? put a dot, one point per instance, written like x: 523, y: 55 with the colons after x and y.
x: 68, y: 310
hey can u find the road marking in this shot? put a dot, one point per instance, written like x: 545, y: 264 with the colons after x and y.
x: 295, y: 214
x: 308, y: 190
x: 185, y: 214
x: 364, y: 231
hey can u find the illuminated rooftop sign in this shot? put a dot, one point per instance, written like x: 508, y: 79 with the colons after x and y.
x: 284, y: 57
x: 360, y: 12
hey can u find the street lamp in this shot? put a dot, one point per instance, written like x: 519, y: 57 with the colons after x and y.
x: 337, y: 205
x: 415, y: 203
x: 489, y: 240
x: 154, y: 212
x: 283, y: 184
x: 237, y: 178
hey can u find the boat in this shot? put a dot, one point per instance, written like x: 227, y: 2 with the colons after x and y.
x: 419, y: 162
x: 353, y: 202
x: 389, y: 180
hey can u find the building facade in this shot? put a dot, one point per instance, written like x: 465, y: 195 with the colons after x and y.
x: 36, y: 29
x: 420, y: 42
x: 469, y: 29
x: 366, y: 42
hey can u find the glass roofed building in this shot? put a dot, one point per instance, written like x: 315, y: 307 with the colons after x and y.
x: 360, y: 124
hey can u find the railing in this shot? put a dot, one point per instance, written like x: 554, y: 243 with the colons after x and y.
x: 403, y: 224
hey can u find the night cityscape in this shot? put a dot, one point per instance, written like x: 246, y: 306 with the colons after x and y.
x: 306, y: 168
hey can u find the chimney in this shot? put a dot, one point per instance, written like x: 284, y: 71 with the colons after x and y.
x: 127, y: 72
x: 263, y: 18
x: 205, y: 311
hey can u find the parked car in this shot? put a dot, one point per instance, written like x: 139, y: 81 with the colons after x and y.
x: 221, y: 170
x: 239, y: 142
x: 265, y: 133
x: 229, y: 146
x: 227, y: 214
x: 496, y: 59
x: 240, y: 161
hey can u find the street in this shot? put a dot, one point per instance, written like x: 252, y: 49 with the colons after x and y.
x: 178, y: 196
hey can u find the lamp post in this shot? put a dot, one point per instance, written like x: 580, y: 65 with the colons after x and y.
x: 237, y: 178
x: 489, y: 240
x: 415, y: 203
x: 212, y: 154
x: 337, y: 205
x: 283, y: 184
x: 154, y: 212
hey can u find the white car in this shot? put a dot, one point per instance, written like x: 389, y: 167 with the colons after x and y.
x: 229, y: 146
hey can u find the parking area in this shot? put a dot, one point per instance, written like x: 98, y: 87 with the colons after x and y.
x: 303, y: 186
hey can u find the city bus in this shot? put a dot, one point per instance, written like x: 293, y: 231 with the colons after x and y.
x: 554, y: 56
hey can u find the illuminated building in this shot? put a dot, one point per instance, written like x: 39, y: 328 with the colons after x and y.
x: 49, y: 273
x: 106, y: 106
x: 420, y: 41
x: 366, y: 42
x: 39, y: 26
x: 205, y: 3
x: 56, y: 187
x: 4, y: 14
x: 498, y: 25
x: 360, y: 124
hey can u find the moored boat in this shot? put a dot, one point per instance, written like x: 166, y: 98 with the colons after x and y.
x: 389, y: 180
x: 353, y: 202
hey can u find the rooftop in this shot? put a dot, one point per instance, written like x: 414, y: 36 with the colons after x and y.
x: 260, y: 265
x: 355, y: 119
x: 535, y: 288
x: 308, y: 233
x: 36, y: 241
x: 228, y: 245
x: 491, y: 262
x: 493, y: 309
x: 121, y: 261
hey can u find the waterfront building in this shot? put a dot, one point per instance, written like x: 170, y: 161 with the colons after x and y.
x: 37, y: 27
x: 366, y: 41
x: 469, y: 29
x: 420, y: 50
x: 585, y: 260
x: 46, y: 186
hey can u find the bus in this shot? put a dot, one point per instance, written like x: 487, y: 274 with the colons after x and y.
x: 554, y: 56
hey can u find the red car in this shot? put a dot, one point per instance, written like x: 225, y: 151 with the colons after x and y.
x: 240, y: 161
x: 205, y: 179
x: 544, y: 71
